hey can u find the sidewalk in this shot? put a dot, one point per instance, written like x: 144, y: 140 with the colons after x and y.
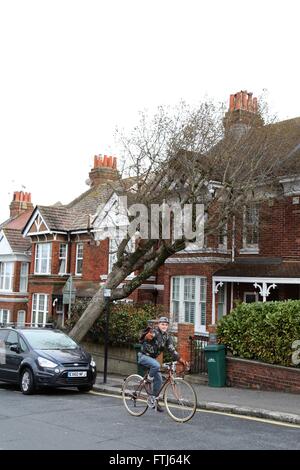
x: 277, y: 406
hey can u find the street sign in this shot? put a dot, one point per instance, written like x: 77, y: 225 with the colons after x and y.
x: 69, y: 286
x: 107, y: 292
x: 67, y: 299
x: 69, y: 292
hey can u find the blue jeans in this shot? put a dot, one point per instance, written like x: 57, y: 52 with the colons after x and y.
x: 154, y: 366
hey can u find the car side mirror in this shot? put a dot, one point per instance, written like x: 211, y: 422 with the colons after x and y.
x: 15, y: 348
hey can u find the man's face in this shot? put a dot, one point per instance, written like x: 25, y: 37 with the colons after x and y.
x: 163, y: 326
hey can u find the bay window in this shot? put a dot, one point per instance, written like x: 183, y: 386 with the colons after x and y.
x: 6, y: 276
x: 4, y: 316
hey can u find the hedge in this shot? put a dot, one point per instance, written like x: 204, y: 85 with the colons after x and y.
x: 126, y: 321
x: 262, y: 331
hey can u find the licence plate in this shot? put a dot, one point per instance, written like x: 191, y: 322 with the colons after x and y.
x: 77, y: 374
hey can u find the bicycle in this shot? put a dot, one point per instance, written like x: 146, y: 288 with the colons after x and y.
x: 179, y: 396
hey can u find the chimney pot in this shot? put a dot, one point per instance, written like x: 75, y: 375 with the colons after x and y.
x: 231, y: 103
x: 238, y: 100
x: 115, y: 163
x: 244, y: 99
x: 110, y: 162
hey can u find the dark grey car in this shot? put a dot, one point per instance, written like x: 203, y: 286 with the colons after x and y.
x: 42, y: 357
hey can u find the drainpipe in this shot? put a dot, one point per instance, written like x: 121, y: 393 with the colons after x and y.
x: 233, y: 240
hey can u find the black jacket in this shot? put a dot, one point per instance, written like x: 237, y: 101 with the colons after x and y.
x: 159, y: 343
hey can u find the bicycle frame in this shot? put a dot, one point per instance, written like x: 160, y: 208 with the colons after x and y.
x: 140, y: 388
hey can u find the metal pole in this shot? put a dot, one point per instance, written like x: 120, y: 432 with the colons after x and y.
x: 106, y: 339
x: 70, y: 293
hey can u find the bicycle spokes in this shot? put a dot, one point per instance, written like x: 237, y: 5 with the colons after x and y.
x: 134, y: 395
x: 180, y: 400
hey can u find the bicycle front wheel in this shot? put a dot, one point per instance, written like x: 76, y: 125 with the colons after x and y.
x: 180, y: 400
x: 134, y: 395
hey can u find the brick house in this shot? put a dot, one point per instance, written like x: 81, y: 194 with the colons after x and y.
x: 63, y: 245
x: 15, y: 256
x: 256, y: 257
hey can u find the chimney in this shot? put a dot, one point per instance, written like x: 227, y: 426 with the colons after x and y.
x: 21, y: 202
x: 242, y: 114
x: 105, y: 169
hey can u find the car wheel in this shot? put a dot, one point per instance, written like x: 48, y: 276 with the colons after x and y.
x: 27, y: 382
x: 84, y: 388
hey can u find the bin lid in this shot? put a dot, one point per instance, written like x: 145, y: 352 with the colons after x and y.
x: 214, y: 347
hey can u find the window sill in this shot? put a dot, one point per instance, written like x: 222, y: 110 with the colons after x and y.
x: 42, y: 274
x: 249, y: 251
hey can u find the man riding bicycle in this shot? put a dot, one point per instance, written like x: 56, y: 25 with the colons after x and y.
x: 155, y: 341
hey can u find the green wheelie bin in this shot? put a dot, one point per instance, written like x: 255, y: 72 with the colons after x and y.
x: 216, y: 364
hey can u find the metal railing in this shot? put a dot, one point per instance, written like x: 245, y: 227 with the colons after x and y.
x: 25, y: 325
x: 198, y: 362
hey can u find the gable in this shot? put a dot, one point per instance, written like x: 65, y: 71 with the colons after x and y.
x: 5, y: 248
x: 36, y: 225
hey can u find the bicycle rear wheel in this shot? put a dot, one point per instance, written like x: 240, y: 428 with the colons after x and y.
x: 180, y: 400
x: 134, y: 395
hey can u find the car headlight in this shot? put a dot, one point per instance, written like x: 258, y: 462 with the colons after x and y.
x: 93, y: 363
x: 46, y: 363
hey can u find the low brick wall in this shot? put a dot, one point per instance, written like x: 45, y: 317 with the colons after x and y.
x: 244, y: 373
x: 121, y: 360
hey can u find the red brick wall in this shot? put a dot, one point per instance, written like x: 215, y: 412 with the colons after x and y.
x: 252, y: 374
x: 13, y: 308
x: 185, y: 330
x: 95, y: 260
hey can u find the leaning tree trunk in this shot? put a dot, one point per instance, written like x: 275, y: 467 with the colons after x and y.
x: 89, y: 316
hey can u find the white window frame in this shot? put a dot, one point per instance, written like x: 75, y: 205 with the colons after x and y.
x: 79, y: 258
x: 7, y: 312
x: 22, y: 323
x: 221, y: 290
x: 251, y: 293
x: 35, y: 309
x: 38, y: 261
x: 223, y: 233
x: 6, y: 276
x: 246, y: 245
x: 24, y: 277
x: 63, y: 258
x: 200, y: 297
x: 113, y: 247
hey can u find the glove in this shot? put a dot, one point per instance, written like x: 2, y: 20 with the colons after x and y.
x: 183, y: 362
x: 149, y: 336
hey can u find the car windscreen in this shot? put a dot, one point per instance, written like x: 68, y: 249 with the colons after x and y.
x: 45, y: 339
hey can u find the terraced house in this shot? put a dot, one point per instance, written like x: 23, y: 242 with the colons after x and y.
x: 256, y: 257
x: 15, y: 257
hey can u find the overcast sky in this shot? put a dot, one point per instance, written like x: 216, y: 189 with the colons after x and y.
x: 72, y: 70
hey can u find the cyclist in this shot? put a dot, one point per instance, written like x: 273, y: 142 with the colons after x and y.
x: 154, y: 341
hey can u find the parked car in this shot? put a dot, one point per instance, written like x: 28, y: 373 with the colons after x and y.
x: 43, y: 357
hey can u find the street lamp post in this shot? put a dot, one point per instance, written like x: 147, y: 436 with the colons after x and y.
x: 107, y: 294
